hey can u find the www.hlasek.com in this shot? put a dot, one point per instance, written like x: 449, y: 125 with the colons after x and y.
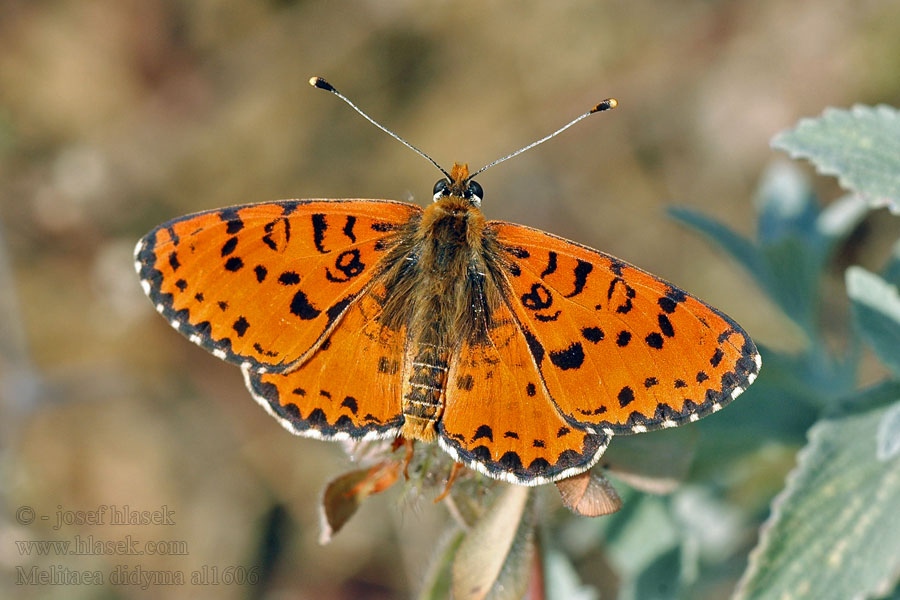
x: 90, y: 546
x: 136, y: 575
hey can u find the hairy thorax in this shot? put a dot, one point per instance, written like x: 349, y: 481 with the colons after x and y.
x: 444, y: 278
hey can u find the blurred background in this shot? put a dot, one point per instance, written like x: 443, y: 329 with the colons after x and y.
x: 116, y: 115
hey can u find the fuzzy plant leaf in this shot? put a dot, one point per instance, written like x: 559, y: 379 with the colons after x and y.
x: 860, y: 146
x: 438, y: 578
x: 876, y: 309
x: 494, y: 560
x: 834, y: 531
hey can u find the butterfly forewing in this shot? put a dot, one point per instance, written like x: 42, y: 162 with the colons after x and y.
x: 350, y: 386
x: 618, y: 349
x: 499, y: 419
x: 261, y: 285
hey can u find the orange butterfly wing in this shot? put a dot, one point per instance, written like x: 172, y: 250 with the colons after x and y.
x: 499, y: 419
x: 349, y: 388
x: 619, y: 350
x: 262, y: 285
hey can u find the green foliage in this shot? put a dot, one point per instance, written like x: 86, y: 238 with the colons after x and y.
x: 834, y: 531
x: 860, y: 146
x: 876, y: 309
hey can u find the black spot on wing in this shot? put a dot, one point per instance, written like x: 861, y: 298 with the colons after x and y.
x: 384, y: 227
x: 259, y: 349
x: 623, y: 338
x: 350, y: 402
x: 481, y: 454
x: 570, y: 358
x: 229, y: 246
x: 173, y: 261
x: 530, y: 389
x: 317, y: 419
x: 650, y: 382
x: 517, y: 251
x: 616, y: 267
x: 667, y: 304
x: 547, y: 318
x: 717, y: 357
x: 582, y: 269
x: 626, y: 396
x: 234, y: 264
x: 510, y: 461
x: 301, y: 307
x: 319, y: 228
x: 676, y: 295
x: 233, y: 222
x: 348, y: 228
x: 174, y: 236
x: 592, y: 334
x: 241, y: 326
x: 289, y: 278
x: 181, y: 284
x: 534, y: 346
x: 260, y: 272
x: 551, y: 265
x: 483, y: 431
x: 665, y: 325
x: 336, y: 309
x: 654, y: 340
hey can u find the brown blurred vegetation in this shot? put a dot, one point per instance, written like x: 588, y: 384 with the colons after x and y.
x: 118, y: 114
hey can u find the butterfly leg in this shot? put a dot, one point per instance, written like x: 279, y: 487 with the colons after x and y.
x: 454, y: 472
x: 409, y: 456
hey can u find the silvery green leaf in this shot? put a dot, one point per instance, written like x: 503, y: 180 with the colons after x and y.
x: 876, y: 309
x: 860, y: 146
x: 834, y: 531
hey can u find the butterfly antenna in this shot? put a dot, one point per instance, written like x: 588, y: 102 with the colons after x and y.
x: 607, y: 104
x: 320, y: 83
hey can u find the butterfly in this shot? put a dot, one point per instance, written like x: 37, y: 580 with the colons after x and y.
x: 519, y: 352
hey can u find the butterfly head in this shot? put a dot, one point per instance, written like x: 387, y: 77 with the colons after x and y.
x: 459, y: 186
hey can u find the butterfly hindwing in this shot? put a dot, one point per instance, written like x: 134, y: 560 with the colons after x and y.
x: 618, y: 349
x: 349, y: 388
x: 261, y: 285
x: 499, y: 419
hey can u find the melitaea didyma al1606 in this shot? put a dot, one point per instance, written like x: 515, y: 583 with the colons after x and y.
x: 520, y: 352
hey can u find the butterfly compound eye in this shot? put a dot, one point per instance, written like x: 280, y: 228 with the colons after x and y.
x: 441, y: 188
x: 475, y: 192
